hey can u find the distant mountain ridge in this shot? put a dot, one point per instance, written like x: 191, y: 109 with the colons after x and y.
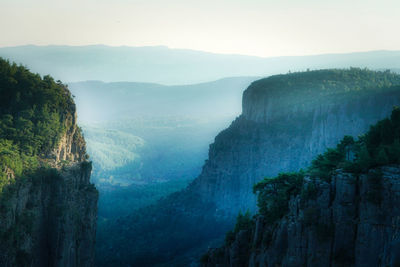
x: 127, y: 125
x: 163, y: 65
x: 99, y: 101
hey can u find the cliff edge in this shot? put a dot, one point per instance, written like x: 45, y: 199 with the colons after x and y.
x: 341, y: 211
x: 348, y: 223
x: 286, y: 121
x: 48, y: 207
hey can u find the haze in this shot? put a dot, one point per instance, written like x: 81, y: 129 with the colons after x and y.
x: 262, y: 28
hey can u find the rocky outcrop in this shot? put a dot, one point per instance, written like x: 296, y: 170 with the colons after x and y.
x: 286, y: 121
x: 351, y: 221
x: 49, y: 218
x: 72, y: 146
x: 282, y: 130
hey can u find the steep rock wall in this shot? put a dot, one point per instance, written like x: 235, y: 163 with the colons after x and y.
x: 49, y: 218
x: 353, y: 221
x: 277, y: 133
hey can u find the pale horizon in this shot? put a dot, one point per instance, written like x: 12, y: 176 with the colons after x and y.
x: 202, y: 51
x: 254, y: 28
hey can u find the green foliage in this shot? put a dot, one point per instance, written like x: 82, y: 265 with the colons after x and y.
x: 112, y: 149
x: 13, y: 162
x: 229, y: 237
x: 32, y: 115
x: 313, y: 86
x: 364, y: 160
x: 324, y: 164
x: 382, y: 140
x: 243, y: 222
x: 32, y: 108
x: 378, y: 147
x: 274, y: 194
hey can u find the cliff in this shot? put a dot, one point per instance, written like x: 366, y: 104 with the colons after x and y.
x: 341, y: 211
x: 286, y: 121
x: 352, y: 221
x: 49, y: 219
x: 48, y: 207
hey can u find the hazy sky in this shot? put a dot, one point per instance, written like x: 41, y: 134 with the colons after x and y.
x: 252, y: 27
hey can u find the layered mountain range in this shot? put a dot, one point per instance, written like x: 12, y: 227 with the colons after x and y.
x: 160, y: 64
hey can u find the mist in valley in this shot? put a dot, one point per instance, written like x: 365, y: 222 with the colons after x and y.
x: 168, y: 133
x: 149, y: 140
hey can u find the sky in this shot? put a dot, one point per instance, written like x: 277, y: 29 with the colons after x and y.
x: 250, y: 27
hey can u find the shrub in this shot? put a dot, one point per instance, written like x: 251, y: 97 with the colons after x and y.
x: 243, y: 222
x: 274, y: 194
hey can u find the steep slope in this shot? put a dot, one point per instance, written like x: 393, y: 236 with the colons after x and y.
x: 326, y: 216
x: 341, y: 226
x: 286, y: 121
x: 48, y: 207
x: 175, y: 66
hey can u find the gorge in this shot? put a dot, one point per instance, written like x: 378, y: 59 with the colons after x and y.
x: 286, y: 121
x: 48, y: 206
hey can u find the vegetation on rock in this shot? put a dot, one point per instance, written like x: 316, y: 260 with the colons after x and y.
x: 379, y: 146
x: 32, y: 118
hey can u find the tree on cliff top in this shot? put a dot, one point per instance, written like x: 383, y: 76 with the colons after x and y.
x: 32, y: 113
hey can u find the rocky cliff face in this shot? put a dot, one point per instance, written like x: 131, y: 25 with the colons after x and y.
x: 282, y: 131
x: 72, y: 146
x: 287, y: 120
x: 49, y: 218
x: 351, y: 221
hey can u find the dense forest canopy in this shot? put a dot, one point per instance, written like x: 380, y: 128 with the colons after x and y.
x: 327, y: 81
x: 32, y: 110
x: 311, y: 87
